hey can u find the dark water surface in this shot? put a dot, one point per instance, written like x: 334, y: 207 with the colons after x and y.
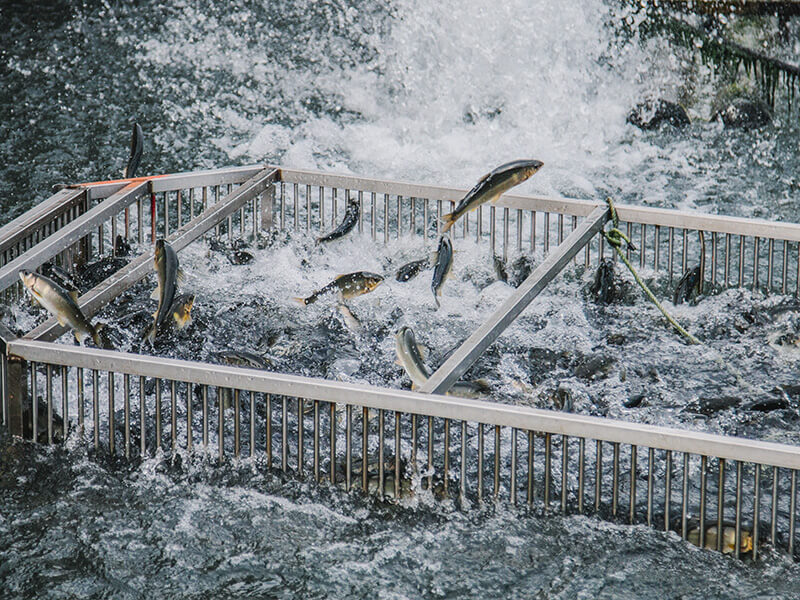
x: 440, y: 93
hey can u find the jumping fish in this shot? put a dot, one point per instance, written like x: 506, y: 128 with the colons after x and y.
x: 62, y: 305
x: 169, y: 275
x: 603, y: 287
x: 347, y: 224
x: 137, y: 139
x: 349, y: 286
x: 409, y: 356
x: 410, y: 270
x: 491, y: 186
x: 688, y: 286
x: 442, y: 266
x: 241, y: 358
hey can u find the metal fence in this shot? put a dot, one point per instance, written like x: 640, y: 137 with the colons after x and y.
x: 384, y: 440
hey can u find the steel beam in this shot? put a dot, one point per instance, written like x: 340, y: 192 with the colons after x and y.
x: 70, y: 233
x: 466, y: 354
x: 141, y: 266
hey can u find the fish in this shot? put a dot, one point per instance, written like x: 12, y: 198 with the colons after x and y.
x: 410, y: 357
x: 411, y: 269
x: 728, y: 538
x: 165, y: 263
x: 348, y: 222
x: 121, y: 246
x: 603, y: 288
x: 137, y: 139
x: 349, y: 286
x: 500, y: 268
x: 241, y: 358
x: 239, y: 257
x: 181, y: 310
x: 688, y: 286
x: 442, y: 266
x: 350, y: 320
x: 491, y: 186
x: 62, y: 305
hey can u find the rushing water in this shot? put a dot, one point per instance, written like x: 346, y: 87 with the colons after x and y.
x: 436, y: 92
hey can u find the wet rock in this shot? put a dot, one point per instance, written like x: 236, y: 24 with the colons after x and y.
x: 710, y: 406
x: 654, y: 112
x: 634, y: 401
x: 616, y: 339
x: 746, y: 113
x: 594, y: 366
x: 767, y: 404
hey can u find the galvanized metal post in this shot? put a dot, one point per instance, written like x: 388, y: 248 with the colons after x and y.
x: 267, y: 204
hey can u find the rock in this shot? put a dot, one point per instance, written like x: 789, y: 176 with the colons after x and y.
x: 654, y: 112
x: 594, y: 366
x: 745, y: 113
x: 634, y: 400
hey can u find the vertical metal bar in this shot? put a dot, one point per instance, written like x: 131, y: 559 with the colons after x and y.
x: 784, y: 282
x: 713, y: 258
x: 496, y: 461
x: 360, y: 211
x: 519, y: 230
x: 414, y: 442
x: 685, y: 252
x: 770, y: 252
x: 756, y: 508
x: 581, y: 472
x: 667, y: 488
x: 533, y: 230
x: 657, y: 248
x: 479, y: 228
x: 374, y: 222
x: 142, y: 418
x: 513, y: 490
x: 399, y: 217
x: 49, y: 397
x: 547, y: 448
x: 268, y: 428
x: 381, y: 425
x: 140, y: 221
x: 284, y: 434
x: 480, y: 462
x: 283, y: 207
x: 564, y: 465
x: 386, y: 218
x: 720, y: 502
x: 738, y: 522
x: 741, y: 263
x: 703, y: 475
x: 205, y: 418
x: 397, y: 452
x: 126, y: 399
x: 462, y: 483
x: 505, y: 232
x: 756, y: 241
x: 492, y: 234
x: 348, y: 447
x: 333, y: 442
x: 643, y: 249
x: 296, y: 198
x: 317, y: 433
x: 615, y: 480
x: 774, y: 524
x: 446, y: 471
x: 300, y: 407
x: 221, y: 425
x: 560, y: 228
x: 430, y: 453
x: 95, y: 407
x: 81, y: 399
x: 189, y: 440
x: 598, y: 475
x: 670, y: 253
x: 308, y: 207
x: 321, y: 208
x: 685, y: 497
x: 546, y: 232
x: 364, y: 449
x: 632, y: 497
x: 64, y: 398
x: 174, y: 416
x: 792, y: 511
x: 650, y: 458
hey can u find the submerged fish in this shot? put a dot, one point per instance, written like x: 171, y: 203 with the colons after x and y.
x: 350, y: 320
x: 410, y: 270
x: 165, y: 263
x: 603, y: 287
x: 62, y: 305
x: 491, y: 186
x: 181, y: 310
x: 728, y: 539
x: 442, y: 266
x: 347, y: 224
x: 349, y: 285
x: 688, y: 287
x: 410, y: 357
x: 137, y: 139
x: 500, y: 268
x: 241, y: 358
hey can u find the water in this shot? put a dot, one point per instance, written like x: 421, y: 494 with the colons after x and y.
x: 437, y: 93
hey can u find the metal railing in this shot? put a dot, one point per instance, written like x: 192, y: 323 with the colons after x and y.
x: 674, y: 479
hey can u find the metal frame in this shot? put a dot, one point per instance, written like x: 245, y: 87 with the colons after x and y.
x: 518, y: 466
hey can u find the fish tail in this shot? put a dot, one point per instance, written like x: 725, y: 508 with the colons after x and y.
x: 98, y: 341
x: 304, y: 301
x: 151, y: 333
x: 448, y: 220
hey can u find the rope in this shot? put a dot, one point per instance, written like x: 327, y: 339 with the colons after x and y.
x: 615, y: 238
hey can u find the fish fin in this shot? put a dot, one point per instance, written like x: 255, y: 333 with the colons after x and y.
x: 180, y: 321
x: 483, y: 384
x: 61, y: 321
x: 74, y: 295
x: 80, y: 337
x: 448, y: 221
x: 156, y: 293
x: 180, y: 276
x: 300, y: 300
x: 151, y: 334
x: 413, y: 386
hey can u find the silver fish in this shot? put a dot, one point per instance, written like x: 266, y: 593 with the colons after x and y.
x: 349, y: 286
x: 137, y: 139
x: 347, y: 224
x: 166, y: 266
x: 442, y: 266
x: 491, y: 186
